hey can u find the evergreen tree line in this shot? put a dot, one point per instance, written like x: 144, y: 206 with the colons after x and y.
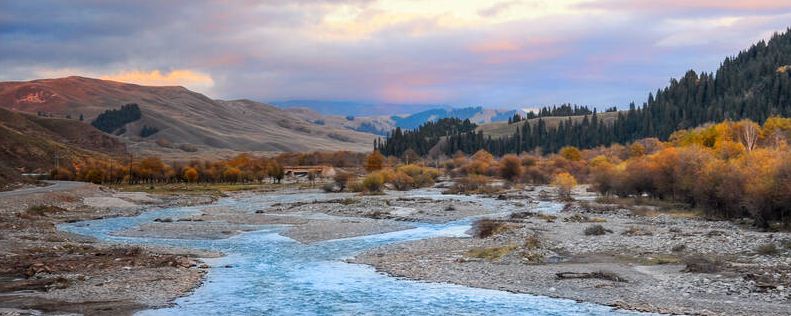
x: 112, y: 120
x: 562, y: 110
x: 755, y: 85
x: 423, y: 138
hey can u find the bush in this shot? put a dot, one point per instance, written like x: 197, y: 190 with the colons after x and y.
x: 767, y: 249
x: 341, y: 179
x: 679, y: 248
x: 402, y: 181
x: 330, y: 187
x: 471, y: 184
x: 564, y: 181
x: 596, y: 230
x: 701, y: 264
x: 510, y: 167
x: 485, y: 227
x: 373, y: 183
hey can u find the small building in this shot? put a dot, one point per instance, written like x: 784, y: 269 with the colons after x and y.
x: 303, y: 171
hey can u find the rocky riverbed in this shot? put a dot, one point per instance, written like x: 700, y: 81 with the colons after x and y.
x: 656, y: 263
x: 43, y: 269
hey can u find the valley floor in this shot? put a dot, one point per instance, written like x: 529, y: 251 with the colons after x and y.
x: 638, y: 262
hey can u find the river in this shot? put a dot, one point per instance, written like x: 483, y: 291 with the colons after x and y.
x: 264, y: 273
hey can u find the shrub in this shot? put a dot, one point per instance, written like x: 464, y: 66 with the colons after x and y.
x: 330, y: 187
x: 424, y: 181
x: 510, y: 167
x: 485, y: 227
x: 471, y: 184
x: 533, y: 242
x: 596, y: 230
x: 402, y: 181
x: 767, y: 249
x: 341, y: 179
x: 373, y: 183
x: 701, y: 264
x: 564, y: 181
x: 679, y: 248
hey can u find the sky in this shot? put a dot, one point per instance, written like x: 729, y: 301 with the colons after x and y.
x: 501, y: 54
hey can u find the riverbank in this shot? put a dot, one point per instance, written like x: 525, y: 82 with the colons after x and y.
x: 657, y: 263
x: 46, y: 270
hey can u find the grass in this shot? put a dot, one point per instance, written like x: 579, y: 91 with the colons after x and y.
x: 492, y: 253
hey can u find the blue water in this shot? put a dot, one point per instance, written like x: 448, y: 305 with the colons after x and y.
x: 267, y: 274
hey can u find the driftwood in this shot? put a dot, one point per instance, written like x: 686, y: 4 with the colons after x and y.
x: 604, y: 275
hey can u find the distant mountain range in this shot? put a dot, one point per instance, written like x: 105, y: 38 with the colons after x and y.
x: 380, y: 119
x: 354, y: 108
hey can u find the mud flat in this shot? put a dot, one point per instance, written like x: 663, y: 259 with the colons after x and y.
x: 657, y: 264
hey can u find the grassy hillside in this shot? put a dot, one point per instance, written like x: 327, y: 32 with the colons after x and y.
x: 503, y: 129
x: 185, y: 119
x: 34, y: 144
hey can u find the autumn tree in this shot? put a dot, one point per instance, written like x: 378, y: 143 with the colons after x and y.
x: 191, y: 174
x: 374, y: 161
x: 511, y: 167
x: 565, y: 182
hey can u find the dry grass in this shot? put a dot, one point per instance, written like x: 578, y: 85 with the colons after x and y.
x: 492, y: 253
x: 649, y: 207
x: 41, y: 210
x: 484, y: 228
x: 767, y: 249
x: 637, y: 231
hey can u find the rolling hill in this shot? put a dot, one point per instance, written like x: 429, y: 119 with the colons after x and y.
x: 503, y: 129
x: 189, y: 124
x: 33, y: 144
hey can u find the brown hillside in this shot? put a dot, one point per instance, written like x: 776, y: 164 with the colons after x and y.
x: 32, y: 144
x: 185, y: 119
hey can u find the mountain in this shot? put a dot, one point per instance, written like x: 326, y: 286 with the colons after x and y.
x: 352, y: 108
x: 474, y: 114
x: 177, y: 122
x: 34, y: 144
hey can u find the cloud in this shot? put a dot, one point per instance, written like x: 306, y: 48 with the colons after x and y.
x: 180, y: 77
x: 506, y: 54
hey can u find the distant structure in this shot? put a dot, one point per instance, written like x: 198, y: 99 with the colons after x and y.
x: 302, y: 171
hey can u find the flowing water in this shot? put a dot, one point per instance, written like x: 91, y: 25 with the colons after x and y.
x: 267, y: 274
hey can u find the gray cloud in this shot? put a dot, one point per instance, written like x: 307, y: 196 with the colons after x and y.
x: 276, y: 51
